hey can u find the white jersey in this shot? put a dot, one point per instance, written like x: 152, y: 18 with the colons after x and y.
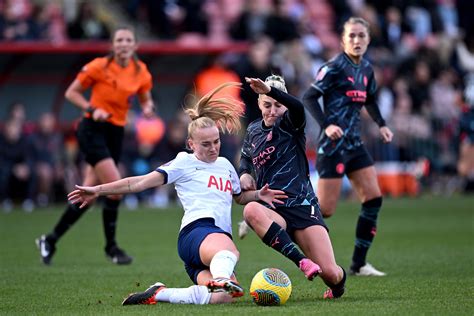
x: 205, y: 189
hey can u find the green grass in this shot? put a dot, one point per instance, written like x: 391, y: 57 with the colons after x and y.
x: 425, y: 245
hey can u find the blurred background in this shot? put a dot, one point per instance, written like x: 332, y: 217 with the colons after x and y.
x: 422, y: 52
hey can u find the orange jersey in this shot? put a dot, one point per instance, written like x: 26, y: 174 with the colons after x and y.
x: 113, y: 86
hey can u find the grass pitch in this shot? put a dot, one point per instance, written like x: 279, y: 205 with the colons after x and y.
x: 426, y: 245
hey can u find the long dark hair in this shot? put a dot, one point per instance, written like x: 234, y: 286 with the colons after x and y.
x: 135, y: 58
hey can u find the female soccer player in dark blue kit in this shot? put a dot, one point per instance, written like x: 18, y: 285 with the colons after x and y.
x: 347, y: 83
x: 273, y: 153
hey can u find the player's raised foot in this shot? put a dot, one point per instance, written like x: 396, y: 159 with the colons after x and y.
x: 309, y: 268
x: 367, y: 270
x: 118, y: 255
x: 244, y: 229
x: 46, y: 248
x: 225, y: 285
x: 144, y: 298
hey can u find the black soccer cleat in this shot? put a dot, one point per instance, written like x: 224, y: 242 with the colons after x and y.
x: 229, y: 286
x: 118, y: 255
x: 46, y: 248
x: 144, y: 298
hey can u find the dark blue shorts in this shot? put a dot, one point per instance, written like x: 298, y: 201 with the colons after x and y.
x: 189, y: 242
x: 336, y: 165
x: 300, y: 217
x: 99, y: 140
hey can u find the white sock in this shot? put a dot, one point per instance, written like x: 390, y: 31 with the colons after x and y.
x: 196, y: 294
x: 223, y: 264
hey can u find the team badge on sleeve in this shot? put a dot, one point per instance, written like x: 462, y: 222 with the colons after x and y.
x: 322, y: 72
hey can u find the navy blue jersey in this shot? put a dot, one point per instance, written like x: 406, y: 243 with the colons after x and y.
x: 345, y: 88
x: 276, y: 154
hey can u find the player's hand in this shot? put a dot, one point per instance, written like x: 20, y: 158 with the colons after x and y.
x: 334, y: 132
x: 247, y: 182
x: 271, y: 196
x: 257, y: 85
x: 83, y: 195
x: 100, y: 115
x: 386, y: 133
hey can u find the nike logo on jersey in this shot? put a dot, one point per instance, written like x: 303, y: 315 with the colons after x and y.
x: 200, y: 168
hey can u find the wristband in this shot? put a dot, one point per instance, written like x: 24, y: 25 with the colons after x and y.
x: 90, y: 109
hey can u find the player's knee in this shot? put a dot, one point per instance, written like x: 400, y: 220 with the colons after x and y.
x: 328, y: 211
x: 331, y: 275
x: 252, y: 213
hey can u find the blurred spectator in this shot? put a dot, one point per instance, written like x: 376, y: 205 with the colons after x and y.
x: 410, y: 129
x: 279, y: 25
x: 251, y: 22
x: 256, y: 64
x: 16, y: 173
x: 87, y: 24
x: 47, y: 145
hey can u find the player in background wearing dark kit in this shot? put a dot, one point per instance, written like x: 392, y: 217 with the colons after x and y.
x: 273, y: 153
x: 347, y: 83
x: 113, y: 81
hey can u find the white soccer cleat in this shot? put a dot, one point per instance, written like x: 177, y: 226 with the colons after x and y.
x: 369, y: 270
x: 244, y: 229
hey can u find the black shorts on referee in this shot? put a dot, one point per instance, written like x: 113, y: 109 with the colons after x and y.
x: 99, y: 140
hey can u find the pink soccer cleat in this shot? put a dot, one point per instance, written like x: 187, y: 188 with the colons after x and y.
x: 309, y: 268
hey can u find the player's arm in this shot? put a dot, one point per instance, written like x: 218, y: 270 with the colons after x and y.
x: 75, y: 94
x: 247, y: 181
x: 146, y: 103
x: 311, y: 103
x: 264, y: 194
x: 295, y: 107
x: 374, y: 112
x: 85, y: 195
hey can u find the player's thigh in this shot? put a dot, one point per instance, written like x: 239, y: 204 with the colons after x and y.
x: 329, y: 190
x: 315, y: 243
x: 213, y: 243
x: 260, y: 217
x: 106, y: 171
x: 365, y: 183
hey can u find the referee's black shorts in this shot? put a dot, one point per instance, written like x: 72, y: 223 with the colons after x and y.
x: 99, y: 140
x: 336, y: 165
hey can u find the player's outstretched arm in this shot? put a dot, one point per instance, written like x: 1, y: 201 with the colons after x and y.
x: 85, y: 195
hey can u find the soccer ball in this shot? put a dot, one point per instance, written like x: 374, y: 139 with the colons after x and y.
x: 270, y: 287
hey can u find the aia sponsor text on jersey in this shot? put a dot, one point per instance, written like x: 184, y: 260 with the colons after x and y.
x: 220, y: 184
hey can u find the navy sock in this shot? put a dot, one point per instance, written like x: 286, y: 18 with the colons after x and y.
x: 277, y: 238
x: 365, y: 232
x: 109, y: 219
x: 69, y: 217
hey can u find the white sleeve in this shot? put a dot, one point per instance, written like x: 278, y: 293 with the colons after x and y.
x: 174, y: 169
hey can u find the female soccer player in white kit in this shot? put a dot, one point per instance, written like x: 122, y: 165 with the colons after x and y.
x: 205, y: 184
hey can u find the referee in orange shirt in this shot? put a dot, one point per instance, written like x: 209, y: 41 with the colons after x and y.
x: 113, y: 81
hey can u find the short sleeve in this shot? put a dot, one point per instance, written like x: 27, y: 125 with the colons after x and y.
x: 89, y: 73
x: 174, y: 169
